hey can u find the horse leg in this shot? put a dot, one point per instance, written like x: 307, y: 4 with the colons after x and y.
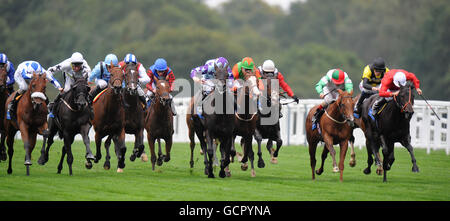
x: 151, y: 144
x: 3, y: 155
x: 407, y: 144
x: 210, y: 152
x: 60, y: 164
x: 120, y: 148
x: 160, y: 155
x: 10, y: 144
x: 258, y: 138
x: 279, y: 144
x: 168, y: 148
x: 138, y: 145
x: 388, y: 158
x: 367, y: 170
x: 312, y: 157
x: 251, y: 155
x: 244, y: 164
x: 192, y: 146
x: 329, y: 145
x: 352, y: 162
x: 107, y: 164
x: 98, y: 145
x: 225, y: 148
x: 342, y: 153
x: 216, y: 161
x: 68, y: 140
x: 324, y: 156
x: 44, y: 153
x: 84, y: 131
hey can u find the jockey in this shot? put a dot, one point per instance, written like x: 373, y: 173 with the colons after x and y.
x: 160, y: 69
x: 371, y: 80
x: 341, y: 80
x: 72, y: 68
x: 101, y: 74
x: 143, y: 77
x: 243, y: 67
x: 390, y: 87
x: 203, y: 75
x: 23, y: 75
x: 9, y: 70
x: 269, y: 70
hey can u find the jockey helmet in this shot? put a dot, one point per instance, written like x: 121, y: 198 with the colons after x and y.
x: 247, y: 63
x: 111, y: 58
x: 130, y: 58
x: 3, y: 58
x: 76, y: 58
x: 221, y: 62
x: 338, y: 76
x: 399, y: 79
x: 34, y: 67
x: 378, y: 64
x: 160, y: 64
x: 268, y: 66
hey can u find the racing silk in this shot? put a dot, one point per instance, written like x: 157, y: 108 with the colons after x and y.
x: 152, y: 72
x: 387, y: 83
x: 100, y: 72
x: 207, y: 72
x: 23, y: 77
x: 10, y: 73
x: 69, y: 75
x: 369, y: 79
x: 348, y: 85
x: 281, y: 81
x: 143, y: 77
x: 237, y: 74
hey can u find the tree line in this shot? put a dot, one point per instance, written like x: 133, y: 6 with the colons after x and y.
x: 304, y: 42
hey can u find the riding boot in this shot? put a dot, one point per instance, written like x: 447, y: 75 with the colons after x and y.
x: 143, y: 101
x: 357, y: 109
x: 52, y: 106
x: 11, y: 112
x: 94, y: 93
x: 317, y: 115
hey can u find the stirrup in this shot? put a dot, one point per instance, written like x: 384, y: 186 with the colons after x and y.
x: 371, y: 114
x: 8, y: 115
x: 356, y: 115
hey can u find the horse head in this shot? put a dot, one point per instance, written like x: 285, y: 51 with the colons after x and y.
x: 3, y: 77
x: 116, y: 80
x: 251, y: 83
x: 405, y: 100
x: 221, y: 75
x: 37, y: 88
x: 80, y: 90
x: 131, y: 78
x: 345, y: 106
x: 162, y: 90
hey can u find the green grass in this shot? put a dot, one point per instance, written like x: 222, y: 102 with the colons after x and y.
x: 289, y: 180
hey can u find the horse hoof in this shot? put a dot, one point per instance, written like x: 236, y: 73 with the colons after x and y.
x: 159, y: 162
x: 28, y: 163
x: 144, y: 157
x: 253, y: 173
x: 228, y: 172
x: 41, y: 161
x: 88, y: 165
x: 90, y: 157
x: 261, y: 164
x: 352, y: 163
x: 211, y: 175
x: 367, y: 171
x: 335, y: 169
x: 415, y: 169
x: 132, y: 157
x: 119, y: 170
x: 319, y: 171
x: 274, y: 160
x: 166, y: 159
x: 106, y: 166
x: 379, y: 172
x: 3, y: 157
x: 222, y: 174
x: 244, y: 167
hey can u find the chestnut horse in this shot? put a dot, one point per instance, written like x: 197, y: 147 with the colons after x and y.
x: 246, y: 119
x: 134, y: 122
x: 336, y: 128
x: 109, y: 120
x: 31, y: 119
x: 159, y: 121
x: 3, y: 96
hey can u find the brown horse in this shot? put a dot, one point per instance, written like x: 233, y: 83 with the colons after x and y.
x: 3, y: 96
x: 159, y: 121
x: 109, y: 120
x: 31, y: 119
x: 246, y: 118
x: 134, y: 122
x: 336, y: 128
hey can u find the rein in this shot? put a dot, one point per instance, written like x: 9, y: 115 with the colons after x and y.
x: 68, y: 105
x: 240, y: 118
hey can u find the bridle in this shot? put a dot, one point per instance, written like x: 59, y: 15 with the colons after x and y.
x: 407, y: 103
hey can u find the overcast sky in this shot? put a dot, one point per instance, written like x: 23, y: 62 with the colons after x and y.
x: 284, y: 4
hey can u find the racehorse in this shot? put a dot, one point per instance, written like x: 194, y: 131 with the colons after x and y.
x: 3, y: 96
x: 268, y: 131
x: 31, y: 119
x: 71, y: 118
x: 390, y: 126
x: 134, y: 122
x: 219, y: 118
x: 159, y: 121
x: 335, y: 127
x: 246, y: 119
x: 109, y: 120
